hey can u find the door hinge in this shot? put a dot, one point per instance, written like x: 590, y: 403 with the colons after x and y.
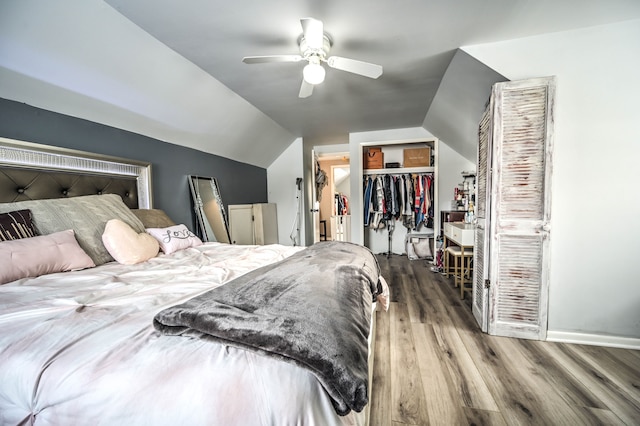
x: 487, y: 283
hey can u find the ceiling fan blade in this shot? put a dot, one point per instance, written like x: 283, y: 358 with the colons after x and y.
x: 306, y: 89
x: 272, y: 58
x: 313, y: 31
x: 357, y: 67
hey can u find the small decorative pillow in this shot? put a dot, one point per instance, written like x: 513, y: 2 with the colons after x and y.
x: 174, y: 238
x: 126, y: 245
x: 41, y: 255
x: 16, y: 225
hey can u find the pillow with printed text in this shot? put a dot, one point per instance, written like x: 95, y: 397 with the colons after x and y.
x: 174, y: 238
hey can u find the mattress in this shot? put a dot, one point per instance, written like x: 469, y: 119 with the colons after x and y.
x: 80, y: 348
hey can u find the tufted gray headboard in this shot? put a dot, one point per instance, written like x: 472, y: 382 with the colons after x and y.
x: 33, y: 172
x: 29, y: 184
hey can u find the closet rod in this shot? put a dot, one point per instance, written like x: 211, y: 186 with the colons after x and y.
x: 399, y: 171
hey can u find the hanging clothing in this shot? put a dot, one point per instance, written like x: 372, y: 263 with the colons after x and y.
x: 341, y: 204
x: 368, y: 186
x: 419, y: 200
x: 429, y: 210
x: 408, y: 218
x: 388, y: 197
x: 404, y: 197
x: 321, y: 181
x: 377, y: 203
x: 395, y: 193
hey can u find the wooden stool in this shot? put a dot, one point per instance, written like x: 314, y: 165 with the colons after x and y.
x: 323, y: 231
x: 462, y: 267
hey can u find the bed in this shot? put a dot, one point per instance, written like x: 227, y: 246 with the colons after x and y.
x: 187, y: 336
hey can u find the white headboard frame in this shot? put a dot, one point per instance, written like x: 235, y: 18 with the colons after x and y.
x: 17, y: 153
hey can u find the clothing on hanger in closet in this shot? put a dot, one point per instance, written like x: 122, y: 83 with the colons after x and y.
x: 403, y: 197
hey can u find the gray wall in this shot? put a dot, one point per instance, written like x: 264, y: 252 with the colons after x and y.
x: 239, y: 183
x: 458, y: 106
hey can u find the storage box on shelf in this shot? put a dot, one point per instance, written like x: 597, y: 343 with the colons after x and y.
x: 417, y: 157
x: 373, y: 158
x: 392, y: 158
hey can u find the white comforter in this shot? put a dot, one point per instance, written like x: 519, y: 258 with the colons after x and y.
x: 79, y: 348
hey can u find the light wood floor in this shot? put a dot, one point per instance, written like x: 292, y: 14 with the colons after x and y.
x: 433, y: 366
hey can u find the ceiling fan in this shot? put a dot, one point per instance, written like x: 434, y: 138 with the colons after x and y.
x: 314, y: 48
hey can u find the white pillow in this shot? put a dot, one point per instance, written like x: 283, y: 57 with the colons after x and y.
x: 126, y: 245
x: 174, y: 238
x: 41, y: 255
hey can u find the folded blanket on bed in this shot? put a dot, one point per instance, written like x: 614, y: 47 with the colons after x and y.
x: 313, y: 309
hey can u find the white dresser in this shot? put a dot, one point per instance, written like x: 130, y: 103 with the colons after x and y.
x: 253, y: 224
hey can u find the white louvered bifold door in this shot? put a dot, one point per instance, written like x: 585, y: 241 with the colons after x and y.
x: 522, y: 127
x: 481, y: 249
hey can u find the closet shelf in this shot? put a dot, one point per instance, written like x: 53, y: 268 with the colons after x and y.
x: 397, y: 171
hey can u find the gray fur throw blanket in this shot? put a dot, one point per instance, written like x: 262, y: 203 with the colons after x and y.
x: 312, y: 309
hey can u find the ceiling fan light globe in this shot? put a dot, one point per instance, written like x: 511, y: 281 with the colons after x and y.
x: 313, y: 73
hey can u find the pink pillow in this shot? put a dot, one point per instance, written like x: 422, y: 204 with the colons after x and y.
x: 126, y: 246
x: 45, y: 254
x: 174, y: 238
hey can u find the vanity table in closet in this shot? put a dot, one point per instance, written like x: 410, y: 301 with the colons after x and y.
x: 460, y: 233
x: 458, y: 242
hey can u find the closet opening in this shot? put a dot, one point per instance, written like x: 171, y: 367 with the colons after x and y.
x: 334, y: 196
x: 400, y: 196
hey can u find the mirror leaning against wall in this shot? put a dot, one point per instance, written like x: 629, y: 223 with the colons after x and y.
x: 211, y: 217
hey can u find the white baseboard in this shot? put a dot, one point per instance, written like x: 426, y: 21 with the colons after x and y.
x: 593, y: 339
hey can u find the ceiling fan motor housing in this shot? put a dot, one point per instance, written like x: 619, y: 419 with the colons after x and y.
x: 306, y: 51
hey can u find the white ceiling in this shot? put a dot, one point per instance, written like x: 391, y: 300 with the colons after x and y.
x: 82, y: 58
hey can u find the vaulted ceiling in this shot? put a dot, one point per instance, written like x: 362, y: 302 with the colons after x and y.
x: 173, y: 70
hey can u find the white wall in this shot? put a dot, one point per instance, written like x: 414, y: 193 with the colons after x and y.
x: 456, y: 109
x: 595, y: 234
x: 282, y: 190
x: 450, y: 167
